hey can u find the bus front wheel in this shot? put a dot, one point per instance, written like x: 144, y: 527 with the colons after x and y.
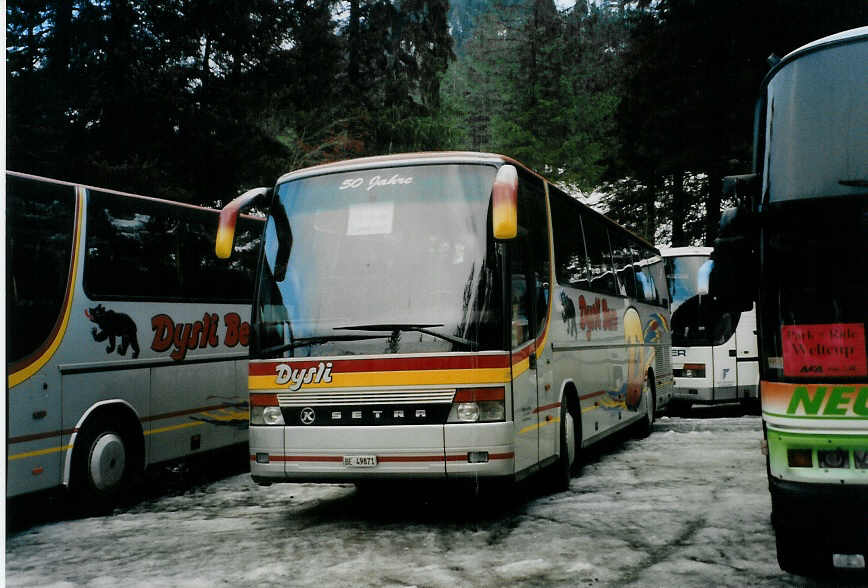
x: 101, y: 464
x: 568, y: 459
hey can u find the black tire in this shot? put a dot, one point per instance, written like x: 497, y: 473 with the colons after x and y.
x: 102, y: 465
x: 649, y: 399
x: 801, y: 557
x: 678, y: 408
x: 570, y: 446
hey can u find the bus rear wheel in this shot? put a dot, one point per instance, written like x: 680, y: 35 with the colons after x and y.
x: 646, y: 425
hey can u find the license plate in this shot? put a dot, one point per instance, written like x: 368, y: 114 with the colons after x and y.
x: 360, y: 461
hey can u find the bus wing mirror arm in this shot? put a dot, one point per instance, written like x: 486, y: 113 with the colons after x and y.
x: 284, y: 242
x: 229, y: 218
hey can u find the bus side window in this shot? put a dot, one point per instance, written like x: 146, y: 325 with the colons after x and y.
x: 571, y: 262
x: 623, y: 259
x: 39, y: 230
x: 599, y: 255
x: 519, y: 299
x: 532, y: 217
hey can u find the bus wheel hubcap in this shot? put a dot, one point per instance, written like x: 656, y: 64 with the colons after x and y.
x: 569, y: 430
x: 649, y: 402
x: 107, y: 461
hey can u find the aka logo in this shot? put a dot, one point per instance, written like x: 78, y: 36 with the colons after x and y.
x: 296, y: 377
x: 811, y: 369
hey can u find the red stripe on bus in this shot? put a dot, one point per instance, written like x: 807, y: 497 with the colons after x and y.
x: 592, y: 395
x: 263, y: 399
x: 410, y: 458
x: 37, y: 436
x: 509, y: 455
x: 522, y: 354
x: 547, y: 407
x: 317, y: 458
x: 479, y: 394
x: 342, y: 366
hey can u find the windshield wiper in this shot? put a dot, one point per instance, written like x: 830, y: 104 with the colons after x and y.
x: 303, y: 341
x: 421, y: 328
x: 859, y: 183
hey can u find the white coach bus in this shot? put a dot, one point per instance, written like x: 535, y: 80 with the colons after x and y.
x: 444, y: 315
x: 126, y: 340
x: 714, y: 353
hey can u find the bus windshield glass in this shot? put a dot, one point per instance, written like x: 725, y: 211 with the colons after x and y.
x: 823, y: 155
x: 394, y: 260
x: 696, y: 319
x: 687, y: 277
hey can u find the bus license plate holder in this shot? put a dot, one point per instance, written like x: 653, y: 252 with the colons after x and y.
x: 360, y: 461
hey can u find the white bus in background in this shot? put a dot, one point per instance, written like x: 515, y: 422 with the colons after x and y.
x: 126, y: 338
x: 445, y: 315
x: 714, y: 353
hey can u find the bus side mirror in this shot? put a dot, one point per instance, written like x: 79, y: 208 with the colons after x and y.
x: 229, y: 218
x: 734, y: 277
x: 744, y: 189
x: 504, y: 203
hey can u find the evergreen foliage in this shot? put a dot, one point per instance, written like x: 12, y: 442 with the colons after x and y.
x: 649, y: 104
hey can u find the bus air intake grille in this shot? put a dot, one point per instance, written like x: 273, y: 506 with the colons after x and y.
x: 364, y: 397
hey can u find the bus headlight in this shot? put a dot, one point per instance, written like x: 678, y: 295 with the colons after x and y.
x: 467, y: 412
x: 836, y: 458
x: 478, y: 405
x: 272, y: 415
x: 264, y: 410
x: 860, y: 458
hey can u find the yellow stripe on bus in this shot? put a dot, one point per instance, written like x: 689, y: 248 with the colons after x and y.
x: 398, y: 378
x: 39, y: 452
x: 538, y: 426
x: 174, y: 427
x: 27, y: 372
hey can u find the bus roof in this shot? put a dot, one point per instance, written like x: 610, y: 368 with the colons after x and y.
x: 427, y: 158
x: 684, y: 251
x: 848, y: 36
x: 119, y: 193
x: 402, y: 159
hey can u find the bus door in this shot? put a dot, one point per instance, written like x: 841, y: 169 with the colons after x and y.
x: 747, y: 355
x: 525, y: 393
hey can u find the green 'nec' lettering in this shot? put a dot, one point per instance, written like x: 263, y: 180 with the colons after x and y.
x: 801, y: 396
x: 860, y: 406
x: 836, y: 399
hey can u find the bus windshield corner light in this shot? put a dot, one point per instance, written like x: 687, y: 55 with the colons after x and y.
x: 504, y: 203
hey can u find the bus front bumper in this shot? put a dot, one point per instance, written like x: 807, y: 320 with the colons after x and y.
x: 831, y: 516
x: 347, y: 454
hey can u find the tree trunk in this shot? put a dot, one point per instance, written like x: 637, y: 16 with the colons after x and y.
x: 679, y: 207
x: 712, y: 206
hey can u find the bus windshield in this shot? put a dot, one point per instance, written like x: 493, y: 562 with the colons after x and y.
x: 696, y: 319
x: 687, y: 277
x: 824, y: 154
x: 394, y: 260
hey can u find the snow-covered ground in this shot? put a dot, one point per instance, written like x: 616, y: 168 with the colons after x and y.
x: 688, y: 506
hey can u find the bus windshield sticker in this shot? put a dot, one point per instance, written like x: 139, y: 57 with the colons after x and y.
x: 836, y: 350
x: 370, y: 218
